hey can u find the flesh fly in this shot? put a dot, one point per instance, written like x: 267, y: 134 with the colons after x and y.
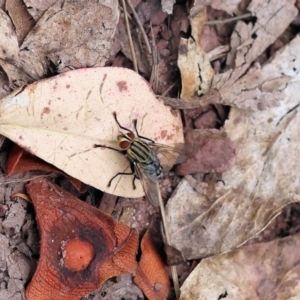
x: 148, y: 160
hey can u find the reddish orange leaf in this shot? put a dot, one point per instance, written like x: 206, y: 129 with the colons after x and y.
x: 20, y: 161
x: 152, y: 276
x: 81, y: 246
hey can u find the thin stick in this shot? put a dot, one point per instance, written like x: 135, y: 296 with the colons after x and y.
x: 211, y: 97
x: 122, y: 10
x: 169, y: 88
x: 215, y: 22
x: 143, y: 32
x: 163, y: 217
x: 155, y: 65
x: 135, y: 67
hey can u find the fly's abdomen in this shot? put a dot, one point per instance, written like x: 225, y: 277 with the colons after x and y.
x: 140, y: 153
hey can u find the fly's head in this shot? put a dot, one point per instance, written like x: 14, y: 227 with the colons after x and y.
x: 125, y: 140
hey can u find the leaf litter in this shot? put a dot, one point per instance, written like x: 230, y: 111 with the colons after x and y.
x: 218, y: 211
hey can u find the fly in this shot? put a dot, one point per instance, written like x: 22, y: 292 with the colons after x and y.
x: 148, y: 160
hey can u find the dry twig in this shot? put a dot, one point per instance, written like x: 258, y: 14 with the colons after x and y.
x: 216, y: 22
x: 129, y: 38
x: 168, y: 240
x: 140, y: 25
x: 212, y: 97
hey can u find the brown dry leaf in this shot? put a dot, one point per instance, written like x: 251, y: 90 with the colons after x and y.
x: 37, y: 8
x: 70, y: 35
x: 207, y: 150
x: 16, y: 76
x: 270, y: 271
x: 62, y: 118
x: 258, y: 89
x: 20, y: 17
x: 4, y: 90
x: 261, y: 182
x: 81, y: 247
x: 195, y: 69
x: 9, y: 48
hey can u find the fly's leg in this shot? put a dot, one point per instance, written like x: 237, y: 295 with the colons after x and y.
x: 121, y: 173
x: 122, y: 127
x: 118, y: 174
x: 111, y: 148
x: 126, y: 173
x: 137, y: 133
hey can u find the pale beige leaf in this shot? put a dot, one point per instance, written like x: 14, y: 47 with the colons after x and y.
x: 264, y: 179
x: 268, y: 271
x: 61, y: 119
x: 167, y: 6
x: 228, y: 5
x: 199, y: 5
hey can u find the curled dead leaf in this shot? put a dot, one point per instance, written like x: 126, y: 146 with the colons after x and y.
x: 20, y: 161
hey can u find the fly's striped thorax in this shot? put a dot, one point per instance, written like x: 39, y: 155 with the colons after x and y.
x: 140, y: 152
x: 135, y: 149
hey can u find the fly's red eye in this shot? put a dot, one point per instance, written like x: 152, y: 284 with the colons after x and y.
x: 131, y: 135
x: 124, y: 145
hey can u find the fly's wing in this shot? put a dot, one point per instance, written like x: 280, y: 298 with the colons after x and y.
x: 148, y: 183
x: 168, y: 156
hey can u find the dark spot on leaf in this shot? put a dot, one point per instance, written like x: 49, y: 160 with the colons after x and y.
x: 122, y: 85
x: 163, y: 134
x: 46, y: 110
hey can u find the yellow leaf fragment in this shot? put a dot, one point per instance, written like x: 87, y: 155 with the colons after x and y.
x: 195, y: 69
